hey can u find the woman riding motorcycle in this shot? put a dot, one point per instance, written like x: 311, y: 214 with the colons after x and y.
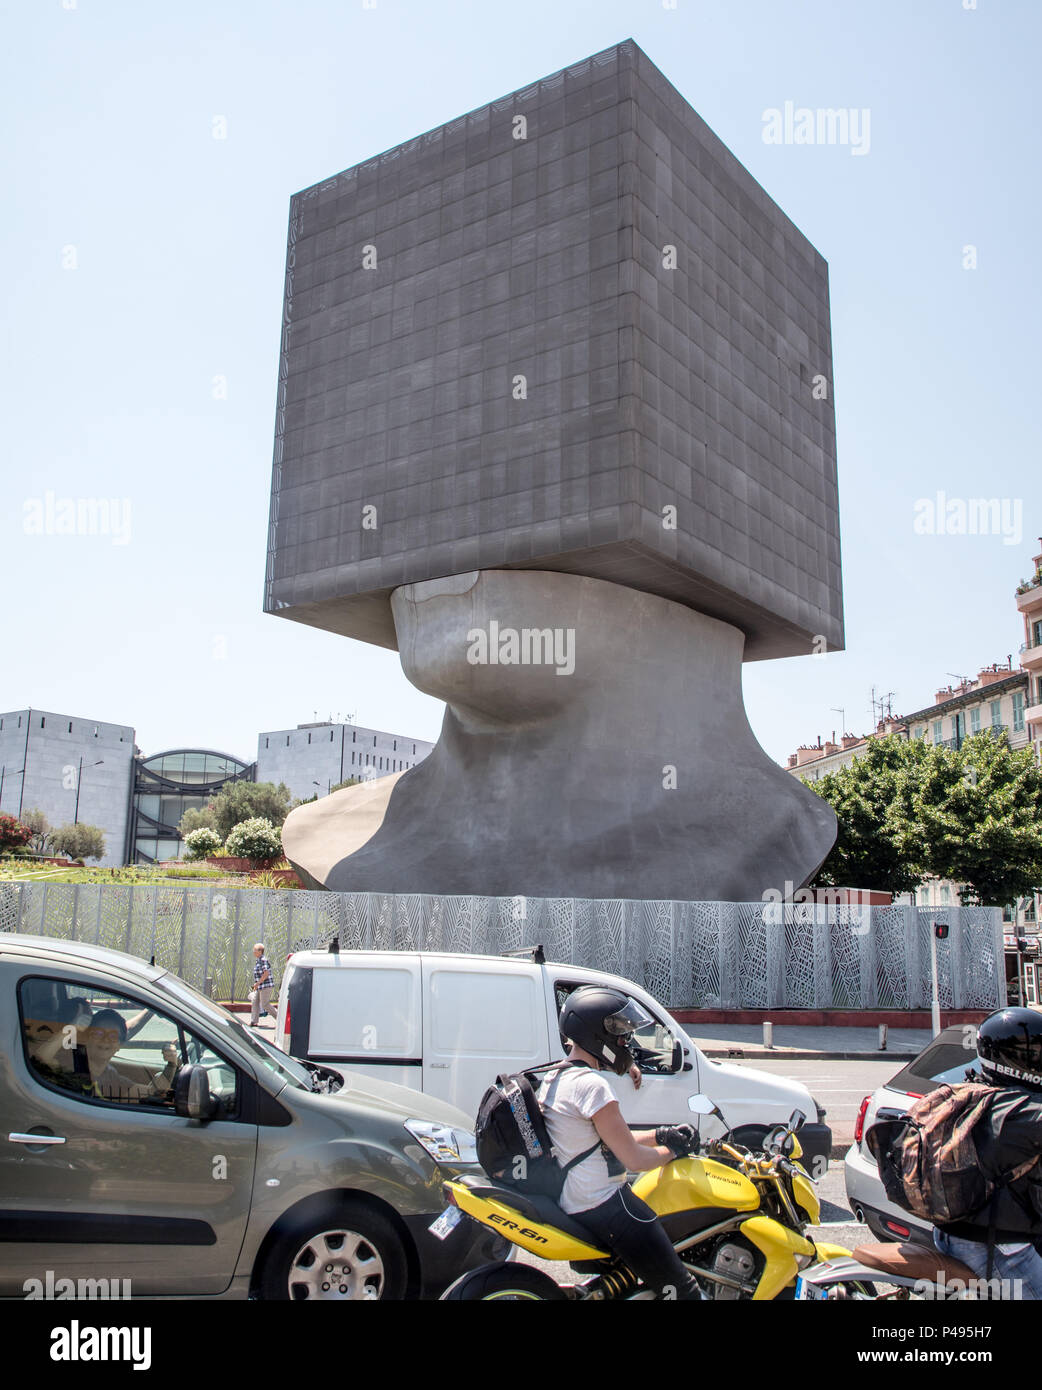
x: 1009, y: 1047
x: 580, y: 1108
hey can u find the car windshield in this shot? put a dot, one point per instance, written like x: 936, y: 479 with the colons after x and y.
x: 945, y: 1060
x: 262, y: 1052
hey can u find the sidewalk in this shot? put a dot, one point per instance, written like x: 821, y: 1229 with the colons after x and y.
x: 723, y: 1040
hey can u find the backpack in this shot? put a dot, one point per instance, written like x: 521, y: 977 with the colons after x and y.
x: 513, y: 1142
x: 928, y: 1160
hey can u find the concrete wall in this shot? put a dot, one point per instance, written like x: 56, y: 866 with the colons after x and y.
x: 331, y: 753
x: 49, y: 746
x: 646, y: 386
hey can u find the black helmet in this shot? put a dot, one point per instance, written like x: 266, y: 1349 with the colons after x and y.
x: 1009, y: 1045
x: 600, y: 1021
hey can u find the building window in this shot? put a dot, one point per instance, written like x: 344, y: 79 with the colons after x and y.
x: 374, y: 740
x: 42, y: 722
x: 309, y: 736
x: 287, y: 740
x: 996, y: 714
x: 1036, y: 633
x: 946, y: 893
x: 354, y: 737
x: 414, y: 748
x: 975, y: 720
x: 395, y: 745
x: 1007, y: 913
x: 70, y: 731
x: 938, y: 731
x: 352, y: 759
x: 1029, y: 909
x: 331, y: 735
x: 265, y: 743
x: 1018, y: 711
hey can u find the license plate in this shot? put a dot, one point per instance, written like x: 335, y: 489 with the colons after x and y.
x: 446, y: 1223
x: 807, y: 1291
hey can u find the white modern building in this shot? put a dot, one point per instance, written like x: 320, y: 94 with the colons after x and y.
x: 71, y: 769
x: 312, y: 758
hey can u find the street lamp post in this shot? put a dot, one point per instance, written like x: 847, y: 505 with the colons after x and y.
x: 2, y: 772
x: 79, y: 774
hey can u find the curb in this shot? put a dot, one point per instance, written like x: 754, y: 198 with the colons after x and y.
x: 786, y: 1054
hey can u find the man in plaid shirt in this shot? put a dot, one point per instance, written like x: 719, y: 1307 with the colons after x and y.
x: 263, y: 983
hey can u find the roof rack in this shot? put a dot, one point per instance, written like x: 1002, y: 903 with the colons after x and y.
x: 536, y: 952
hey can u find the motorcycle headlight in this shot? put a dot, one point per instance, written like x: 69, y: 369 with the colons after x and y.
x: 443, y: 1143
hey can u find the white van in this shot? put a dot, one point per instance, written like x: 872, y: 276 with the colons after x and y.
x: 448, y: 1024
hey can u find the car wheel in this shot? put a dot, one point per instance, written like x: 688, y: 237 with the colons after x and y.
x: 512, y: 1282
x: 350, y: 1253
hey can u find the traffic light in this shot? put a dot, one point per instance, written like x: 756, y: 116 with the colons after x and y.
x: 940, y: 930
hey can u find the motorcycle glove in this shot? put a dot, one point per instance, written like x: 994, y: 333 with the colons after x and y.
x: 679, y: 1139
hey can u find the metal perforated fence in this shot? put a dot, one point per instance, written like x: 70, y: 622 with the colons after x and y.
x: 687, y: 954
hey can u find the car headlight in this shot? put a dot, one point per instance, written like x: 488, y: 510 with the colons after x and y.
x: 443, y: 1143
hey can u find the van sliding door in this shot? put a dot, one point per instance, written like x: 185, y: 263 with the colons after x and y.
x: 481, y: 1018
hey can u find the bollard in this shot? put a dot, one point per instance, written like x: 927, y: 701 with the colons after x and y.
x: 208, y: 986
x: 882, y: 1036
x: 768, y: 1035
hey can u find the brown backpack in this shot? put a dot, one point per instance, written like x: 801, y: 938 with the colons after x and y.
x: 928, y: 1160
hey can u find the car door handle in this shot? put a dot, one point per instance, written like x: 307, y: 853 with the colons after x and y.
x: 439, y: 1066
x: 36, y: 1138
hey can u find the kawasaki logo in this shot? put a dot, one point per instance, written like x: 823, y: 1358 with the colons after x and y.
x: 521, y: 1230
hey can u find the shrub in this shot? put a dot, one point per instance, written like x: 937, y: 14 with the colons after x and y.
x: 13, y: 835
x: 202, y: 842
x: 256, y: 840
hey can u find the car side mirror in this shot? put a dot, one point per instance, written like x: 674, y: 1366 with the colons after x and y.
x: 677, y: 1060
x: 192, y: 1098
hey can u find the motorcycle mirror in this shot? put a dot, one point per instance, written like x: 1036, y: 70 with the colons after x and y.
x: 701, y: 1105
x: 796, y: 1119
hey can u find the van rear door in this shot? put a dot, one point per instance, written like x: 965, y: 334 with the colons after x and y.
x: 365, y: 1015
x: 481, y: 1018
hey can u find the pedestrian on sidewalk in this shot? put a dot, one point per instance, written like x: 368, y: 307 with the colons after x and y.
x: 263, y: 984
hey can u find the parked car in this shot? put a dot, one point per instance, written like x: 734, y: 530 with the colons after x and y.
x: 146, y: 1135
x: 947, y: 1058
x: 448, y: 1023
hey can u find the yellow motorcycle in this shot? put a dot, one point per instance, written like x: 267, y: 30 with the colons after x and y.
x: 736, y: 1218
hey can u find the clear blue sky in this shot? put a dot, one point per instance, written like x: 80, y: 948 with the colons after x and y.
x: 179, y: 242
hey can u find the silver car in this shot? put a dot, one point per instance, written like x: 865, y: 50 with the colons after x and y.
x: 947, y: 1058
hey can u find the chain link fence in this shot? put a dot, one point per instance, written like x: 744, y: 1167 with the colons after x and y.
x: 686, y: 954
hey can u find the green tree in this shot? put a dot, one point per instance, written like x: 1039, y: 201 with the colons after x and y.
x: 880, y: 843
x: 80, y: 841
x: 981, y: 813
x: 255, y: 839
x: 239, y: 801
x: 39, y: 831
x: 197, y: 818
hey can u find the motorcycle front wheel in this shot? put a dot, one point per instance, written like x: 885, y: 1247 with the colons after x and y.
x: 503, y: 1281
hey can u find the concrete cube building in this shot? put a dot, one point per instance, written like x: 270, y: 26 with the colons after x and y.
x: 570, y: 332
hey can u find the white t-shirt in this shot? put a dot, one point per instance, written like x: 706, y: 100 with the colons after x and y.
x: 569, y: 1100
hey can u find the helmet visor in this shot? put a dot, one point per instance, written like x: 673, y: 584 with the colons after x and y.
x: 627, y: 1019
